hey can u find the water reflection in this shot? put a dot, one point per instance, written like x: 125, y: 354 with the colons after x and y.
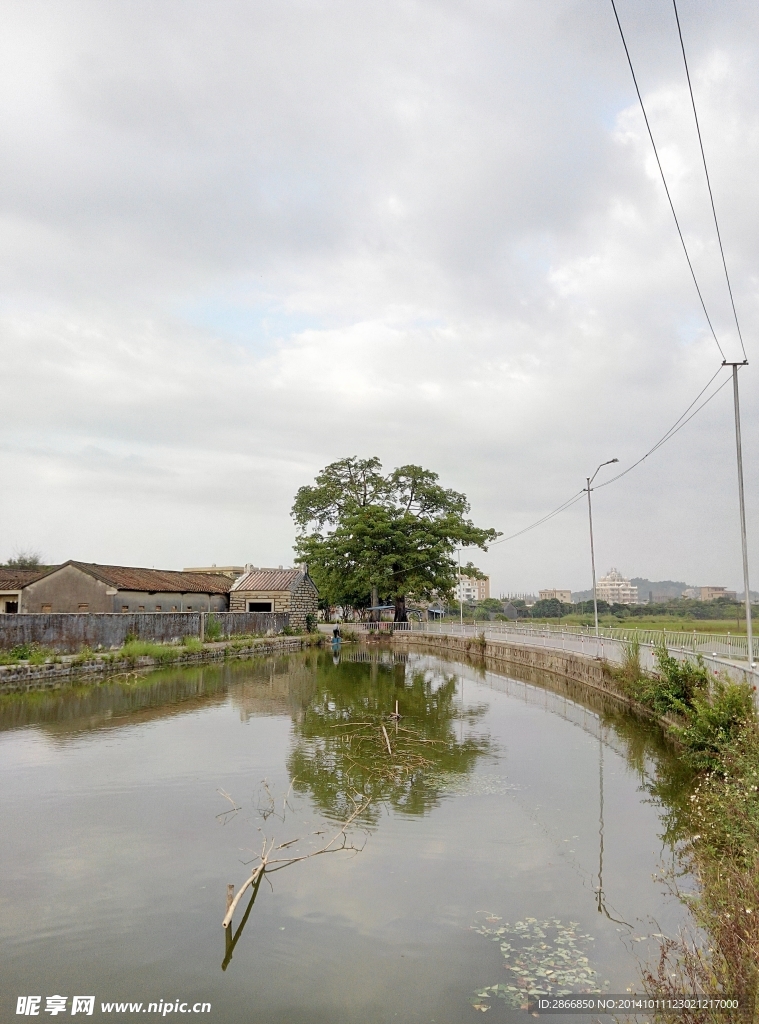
x: 340, y: 749
x: 132, y: 816
x: 232, y: 940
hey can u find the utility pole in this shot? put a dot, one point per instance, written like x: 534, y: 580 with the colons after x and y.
x: 590, y: 480
x: 461, y: 595
x: 742, y: 503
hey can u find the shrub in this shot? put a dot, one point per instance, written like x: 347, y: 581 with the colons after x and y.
x: 31, y: 652
x: 672, y: 690
x: 213, y: 629
x: 682, y: 679
x: 86, y: 654
x: 715, y: 721
x: 310, y: 623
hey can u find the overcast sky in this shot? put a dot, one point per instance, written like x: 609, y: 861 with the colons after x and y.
x: 241, y: 240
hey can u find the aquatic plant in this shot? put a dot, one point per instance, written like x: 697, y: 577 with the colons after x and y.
x: 545, y: 958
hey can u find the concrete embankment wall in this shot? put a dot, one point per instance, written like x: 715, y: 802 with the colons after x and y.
x: 590, y: 672
x: 71, y: 631
x: 22, y: 678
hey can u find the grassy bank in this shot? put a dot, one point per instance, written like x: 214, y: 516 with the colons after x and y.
x: 162, y: 654
x: 715, y: 723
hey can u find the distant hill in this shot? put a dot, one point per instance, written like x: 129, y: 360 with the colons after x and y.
x: 661, y: 589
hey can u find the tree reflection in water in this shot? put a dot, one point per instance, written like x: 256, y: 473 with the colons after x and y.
x: 340, y: 750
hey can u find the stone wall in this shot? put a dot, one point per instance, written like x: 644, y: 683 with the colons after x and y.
x: 69, y: 631
x: 280, y: 600
x: 591, y: 672
x: 24, y: 678
x: 305, y: 601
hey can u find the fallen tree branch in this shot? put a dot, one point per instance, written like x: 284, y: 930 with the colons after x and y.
x: 267, y: 863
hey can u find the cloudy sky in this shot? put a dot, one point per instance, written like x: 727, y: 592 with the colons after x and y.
x: 240, y: 240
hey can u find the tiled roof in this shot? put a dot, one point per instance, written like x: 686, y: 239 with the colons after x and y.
x: 15, y: 579
x: 270, y: 579
x: 156, y: 580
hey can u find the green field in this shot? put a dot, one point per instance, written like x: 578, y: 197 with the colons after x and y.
x: 668, y: 622
x: 673, y: 623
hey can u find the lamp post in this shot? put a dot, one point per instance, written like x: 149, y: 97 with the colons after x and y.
x: 590, y: 480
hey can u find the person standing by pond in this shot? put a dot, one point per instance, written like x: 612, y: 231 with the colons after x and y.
x: 336, y: 642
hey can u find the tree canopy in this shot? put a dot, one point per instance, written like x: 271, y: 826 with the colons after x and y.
x: 360, y: 529
x: 24, y: 560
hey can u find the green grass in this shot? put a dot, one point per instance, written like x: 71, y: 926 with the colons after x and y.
x: 33, y: 653
x: 162, y: 653
x: 672, y: 623
x: 213, y: 630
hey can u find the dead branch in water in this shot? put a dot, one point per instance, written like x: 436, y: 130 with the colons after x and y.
x: 269, y: 864
x: 384, y: 733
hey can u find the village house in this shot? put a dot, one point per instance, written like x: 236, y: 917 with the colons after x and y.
x: 87, y: 587
x: 12, y: 583
x: 276, y: 590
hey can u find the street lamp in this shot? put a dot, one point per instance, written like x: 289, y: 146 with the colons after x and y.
x: 590, y: 480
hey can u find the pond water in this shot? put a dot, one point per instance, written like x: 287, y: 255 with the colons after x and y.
x: 521, y: 852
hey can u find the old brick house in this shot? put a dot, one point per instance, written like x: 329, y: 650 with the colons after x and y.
x: 87, y: 587
x: 12, y: 584
x: 276, y: 590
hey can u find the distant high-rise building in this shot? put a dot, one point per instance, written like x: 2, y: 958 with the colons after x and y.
x: 470, y: 589
x: 615, y: 589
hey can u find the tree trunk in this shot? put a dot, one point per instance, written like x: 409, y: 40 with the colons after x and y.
x: 400, y: 609
x: 374, y: 616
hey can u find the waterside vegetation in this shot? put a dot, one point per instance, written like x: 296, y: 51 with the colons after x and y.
x: 134, y: 648
x: 714, y: 721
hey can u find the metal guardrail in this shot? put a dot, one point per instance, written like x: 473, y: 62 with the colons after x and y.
x: 720, y: 653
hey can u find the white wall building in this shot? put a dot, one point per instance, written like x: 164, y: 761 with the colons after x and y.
x: 615, y: 589
x: 470, y: 589
x: 565, y: 596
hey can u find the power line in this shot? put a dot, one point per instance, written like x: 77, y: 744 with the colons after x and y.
x: 674, y: 429
x: 708, y: 182
x: 562, y: 508
x: 664, y: 180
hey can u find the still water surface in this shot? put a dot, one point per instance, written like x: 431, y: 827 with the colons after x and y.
x: 116, y: 849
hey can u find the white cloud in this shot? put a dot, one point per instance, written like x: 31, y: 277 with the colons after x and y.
x: 239, y: 242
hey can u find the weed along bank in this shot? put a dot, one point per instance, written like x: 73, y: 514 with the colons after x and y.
x: 277, y: 590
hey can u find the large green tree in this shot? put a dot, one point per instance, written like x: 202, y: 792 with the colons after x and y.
x: 360, y: 529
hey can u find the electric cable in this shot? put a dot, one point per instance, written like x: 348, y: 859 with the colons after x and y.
x: 674, y: 429
x: 708, y: 182
x: 562, y: 508
x: 679, y: 423
x: 664, y: 180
